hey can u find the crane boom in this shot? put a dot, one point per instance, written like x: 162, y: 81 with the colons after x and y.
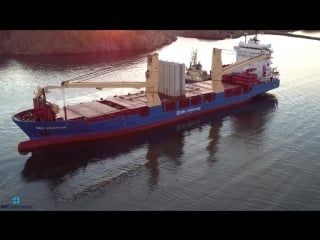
x: 101, y: 85
x: 97, y: 85
x: 230, y: 68
x: 151, y: 83
x: 218, y: 71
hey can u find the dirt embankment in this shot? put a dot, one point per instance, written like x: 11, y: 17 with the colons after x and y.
x: 209, y: 34
x: 26, y: 42
x: 223, y: 34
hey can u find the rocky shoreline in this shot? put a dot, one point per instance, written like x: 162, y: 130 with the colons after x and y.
x: 41, y: 42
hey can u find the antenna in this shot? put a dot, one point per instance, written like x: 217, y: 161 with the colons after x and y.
x: 245, y: 37
x: 255, y: 38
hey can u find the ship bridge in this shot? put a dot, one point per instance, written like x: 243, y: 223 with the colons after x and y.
x: 252, y: 48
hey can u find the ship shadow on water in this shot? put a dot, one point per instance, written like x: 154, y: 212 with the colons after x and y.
x: 247, y: 121
x: 164, y: 141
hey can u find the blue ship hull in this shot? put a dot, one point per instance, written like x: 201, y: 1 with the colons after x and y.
x: 43, y: 134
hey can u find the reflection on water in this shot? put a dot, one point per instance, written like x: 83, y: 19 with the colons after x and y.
x: 214, y: 139
x: 169, y: 142
x: 166, y: 142
x: 60, y: 62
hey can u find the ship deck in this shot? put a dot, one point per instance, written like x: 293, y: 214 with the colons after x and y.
x: 116, y: 104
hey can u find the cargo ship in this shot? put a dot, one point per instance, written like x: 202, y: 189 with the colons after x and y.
x: 166, y: 98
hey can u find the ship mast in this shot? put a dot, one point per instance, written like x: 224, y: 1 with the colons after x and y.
x: 194, y: 57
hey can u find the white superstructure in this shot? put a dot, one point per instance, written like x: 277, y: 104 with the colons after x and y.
x: 246, y: 50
